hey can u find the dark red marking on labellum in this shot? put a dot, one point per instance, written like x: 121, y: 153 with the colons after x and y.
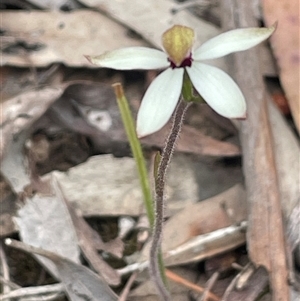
x: 187, y: 62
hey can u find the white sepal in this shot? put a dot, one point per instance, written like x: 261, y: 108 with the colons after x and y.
x: 232, y: 41
x: 131, y: 58
x: 218, y: 89
x: 159, y: 101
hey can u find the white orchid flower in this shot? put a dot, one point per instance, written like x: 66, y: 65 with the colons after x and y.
x: 215, y: 86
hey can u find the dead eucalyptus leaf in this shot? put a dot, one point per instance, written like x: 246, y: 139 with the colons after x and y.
x: 193, y: 141
x: 89, y: 242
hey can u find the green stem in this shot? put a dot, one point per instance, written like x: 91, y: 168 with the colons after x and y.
x: 141, y: 165
x: 136, y: 150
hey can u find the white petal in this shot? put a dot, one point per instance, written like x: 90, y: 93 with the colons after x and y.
x: 232, y: 41
x: 218, y: 89
x: 131, y: 58
x: 159, y: 101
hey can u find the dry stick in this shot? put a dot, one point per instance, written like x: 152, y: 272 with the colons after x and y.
x: 9, y: 283
x: 33, y: 291
x: 5, y: 268
x: 126, y: 290
x: 210, y: 283
x: 159, y: 198
x: 176, y: 278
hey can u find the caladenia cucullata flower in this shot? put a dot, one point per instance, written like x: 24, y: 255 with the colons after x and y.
x: 172, y: 90
x: 216, y: 87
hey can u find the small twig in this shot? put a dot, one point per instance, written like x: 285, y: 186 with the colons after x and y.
x: 138, y: 266
x: 5, y: 268
x: 176, y: 278
x: 50, y: 297
x: 159, y: 199
x: 245, y: 274
x: 30, y: 249
x: 9, y: 283
x: 210, y: 283
x: 237, y: 266
x: 32, y: 291
x: 126, y: 290
x: 229, y: 289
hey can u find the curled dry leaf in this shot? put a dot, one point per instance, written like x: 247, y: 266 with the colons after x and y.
x: 18, y: 114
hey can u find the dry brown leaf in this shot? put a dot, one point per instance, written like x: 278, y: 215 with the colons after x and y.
x: 195, y: 142
x: 37, y: 38
x: 261, y: 172
x: 89, y: 242
x: 285, y: 42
